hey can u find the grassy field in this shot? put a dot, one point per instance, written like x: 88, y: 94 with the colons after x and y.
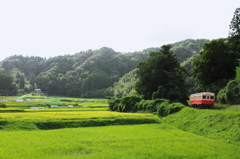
x: 91, y: 131
x: 136, y: 142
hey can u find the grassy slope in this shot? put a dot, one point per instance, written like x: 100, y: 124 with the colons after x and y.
x: 138, y: 142
x: 215, y: 124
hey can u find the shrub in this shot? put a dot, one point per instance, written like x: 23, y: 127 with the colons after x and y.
x: 166, y: 108
x: 113, y: 103
x: 2, y: 105
x: 128, y: 103
x: 230, y: 94
x: 149, y: 105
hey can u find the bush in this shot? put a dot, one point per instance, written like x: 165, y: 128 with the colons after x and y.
x: 113, y: 103
x: 230, y: 94
x: 124, y: 104
x: 128, y: 103
x: 2, y: 105
x: 166, y: 108
x: 163, y: 107
x: 149, y: 105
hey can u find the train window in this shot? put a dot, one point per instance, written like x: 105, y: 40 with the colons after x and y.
x: 204, y: 97
x: 212, y: 97
x: 207, y: 97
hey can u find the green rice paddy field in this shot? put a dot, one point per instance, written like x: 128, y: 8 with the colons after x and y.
x: 138, y: 142
x: 146, y: 137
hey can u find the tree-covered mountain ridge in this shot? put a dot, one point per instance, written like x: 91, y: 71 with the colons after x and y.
x: 89, y: 73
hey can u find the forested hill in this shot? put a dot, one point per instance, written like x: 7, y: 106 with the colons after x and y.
x: 87, y: 74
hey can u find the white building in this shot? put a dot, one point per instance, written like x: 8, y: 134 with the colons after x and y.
x: 37, y: 90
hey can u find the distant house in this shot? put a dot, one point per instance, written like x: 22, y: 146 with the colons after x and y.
x: 37, y: 108
x: 37, y: 90
x: 19, y: 100
x: 53, y: 106
x: 70, y: 106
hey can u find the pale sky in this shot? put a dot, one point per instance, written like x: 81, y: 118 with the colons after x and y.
x: 48, y: 28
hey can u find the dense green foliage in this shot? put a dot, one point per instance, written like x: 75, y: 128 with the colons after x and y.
x: 3, y: 105
x: 161, y: 76
x: 190, y: 77
x: 187, y: 48
x: 86, y: 74
x: 215, y: 66
x: 230, y: 94
x: 74, y: 75
x: 125, y: 85
x: 162, y: 107
x: 7, y: 87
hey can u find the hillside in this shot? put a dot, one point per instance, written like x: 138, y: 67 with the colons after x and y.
x: 87, y: 74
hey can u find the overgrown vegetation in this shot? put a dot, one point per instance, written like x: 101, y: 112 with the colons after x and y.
x: 162, y: 107
x: 2, y: 105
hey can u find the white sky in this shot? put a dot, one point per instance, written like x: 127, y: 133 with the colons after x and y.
x: 49, y: 28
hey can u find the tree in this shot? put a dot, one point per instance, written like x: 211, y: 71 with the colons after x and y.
x: 22, y: 82
x: 125, y: 85
x: 7, y: 87
x: 214, y: 66
x: 235, y: 24
x: 234, y: 33
x: 161, y: 72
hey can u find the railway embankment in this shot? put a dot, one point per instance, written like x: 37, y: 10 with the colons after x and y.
x: 221, y: 124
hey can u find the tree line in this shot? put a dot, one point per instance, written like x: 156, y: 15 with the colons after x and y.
x: 91, y: 73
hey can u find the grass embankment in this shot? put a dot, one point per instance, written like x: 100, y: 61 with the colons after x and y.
x: 130, y: 142
x: 57, y: 120
x: 221, y: 124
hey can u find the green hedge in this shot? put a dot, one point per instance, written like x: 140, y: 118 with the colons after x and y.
x: 163, y: 107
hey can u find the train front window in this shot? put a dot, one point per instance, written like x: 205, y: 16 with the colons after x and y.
x: 204, y: 97
x: 212, y: 97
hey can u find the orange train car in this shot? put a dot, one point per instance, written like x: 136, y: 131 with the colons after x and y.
x: 202, y: 100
